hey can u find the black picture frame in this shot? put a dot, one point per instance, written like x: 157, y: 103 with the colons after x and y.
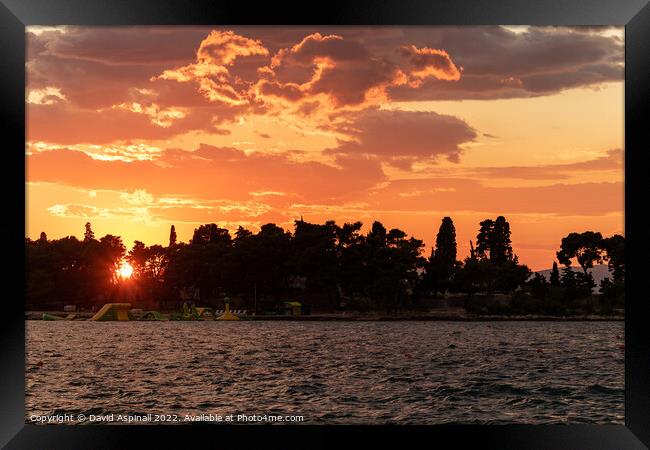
x: 633, y: 14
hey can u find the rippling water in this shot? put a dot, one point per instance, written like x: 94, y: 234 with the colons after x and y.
x: 331, y: 372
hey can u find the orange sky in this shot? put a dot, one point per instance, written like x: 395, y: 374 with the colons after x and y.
x: 138, y: 128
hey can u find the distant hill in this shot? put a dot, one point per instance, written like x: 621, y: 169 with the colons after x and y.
x: 599, y: 272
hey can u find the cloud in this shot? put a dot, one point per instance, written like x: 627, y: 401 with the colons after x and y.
x: 449, y: 194
x: 339, y: 72
x: 266, y: 193
x: 499, y: 63
x: 86, y: 84
x: 430, y: 62
x: 220, y: 183
x: 142, y: 206
x: 112, y: 152
x: 334, y: 71
x: 118, y: 46
x: 223, y: 47
x: 210, y: 172
x: 46, y: 96
x: 403, y: 137
x: 216, y: 52
x: 611, y: 161
x: 90, y: 84
x: 63, y: 124
x: 161, y: 117
x: 138, y: 197
x: 103, y: 73
x: 82, y: 211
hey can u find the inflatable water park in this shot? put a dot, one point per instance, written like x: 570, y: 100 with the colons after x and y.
x: 124, y: 312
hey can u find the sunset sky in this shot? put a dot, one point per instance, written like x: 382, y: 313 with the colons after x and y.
x: 138, y: 128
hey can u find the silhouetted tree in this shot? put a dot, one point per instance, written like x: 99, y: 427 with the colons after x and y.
x: 613, y: 291
x: 172, y: 236
x: 493, y: 266
x: 391, y: 266
x: 350, y: 248
x: 474, y: 277
x: 614, y: 248
x: 210, y: 234
x: 442, y: 263
x: 137, y: 257
x: 472, y: 251
x: 555, y: 275
x: 500, y: 243
x: 89, y: 235
x: 576, y: 284
x: 321, y: 263
x: 493, y: 241
x: 111, y: 252
x: 241, y: 234
x: 270, y: 254
x: 510, y: 275
x: 446, y: 243
x: 67, y: 270
x: 483, y: 239
x: 612, y: 294
x: 315, y: 257
x: 584, y: 247
x: 539, y: 287
x: 202, y: 270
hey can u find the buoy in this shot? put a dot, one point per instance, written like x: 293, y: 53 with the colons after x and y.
x: 39, y: 364
x: 539, y: 350
x: 618, y: 336
x: 408, y: 355
x: 621, y: 347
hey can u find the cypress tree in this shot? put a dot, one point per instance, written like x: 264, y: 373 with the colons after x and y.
x: 172, y: 236
x: 446, y: 247
x: 555, y: 275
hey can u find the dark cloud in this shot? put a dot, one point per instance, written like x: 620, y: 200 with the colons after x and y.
x: 498, y: 63
x: 140, y: 45
x: 221, y: 75
x: 402, y: 137
x: 63, y: 125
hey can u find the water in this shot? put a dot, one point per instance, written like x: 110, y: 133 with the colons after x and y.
x: 331, y: 372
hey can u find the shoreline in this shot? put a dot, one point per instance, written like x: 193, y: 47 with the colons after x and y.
x: 405, y: 317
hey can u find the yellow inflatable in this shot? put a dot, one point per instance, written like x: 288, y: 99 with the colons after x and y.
x: 227, y: 315
x: 113, y: 311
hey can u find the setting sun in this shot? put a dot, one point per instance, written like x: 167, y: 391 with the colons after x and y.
x: 125, y: 270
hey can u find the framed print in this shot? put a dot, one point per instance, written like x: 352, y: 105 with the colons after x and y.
x: 398, y: 220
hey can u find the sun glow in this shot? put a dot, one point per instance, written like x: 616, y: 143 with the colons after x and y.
x: 125, y: 270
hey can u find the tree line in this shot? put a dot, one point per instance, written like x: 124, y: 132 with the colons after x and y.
x: 326, y: 266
